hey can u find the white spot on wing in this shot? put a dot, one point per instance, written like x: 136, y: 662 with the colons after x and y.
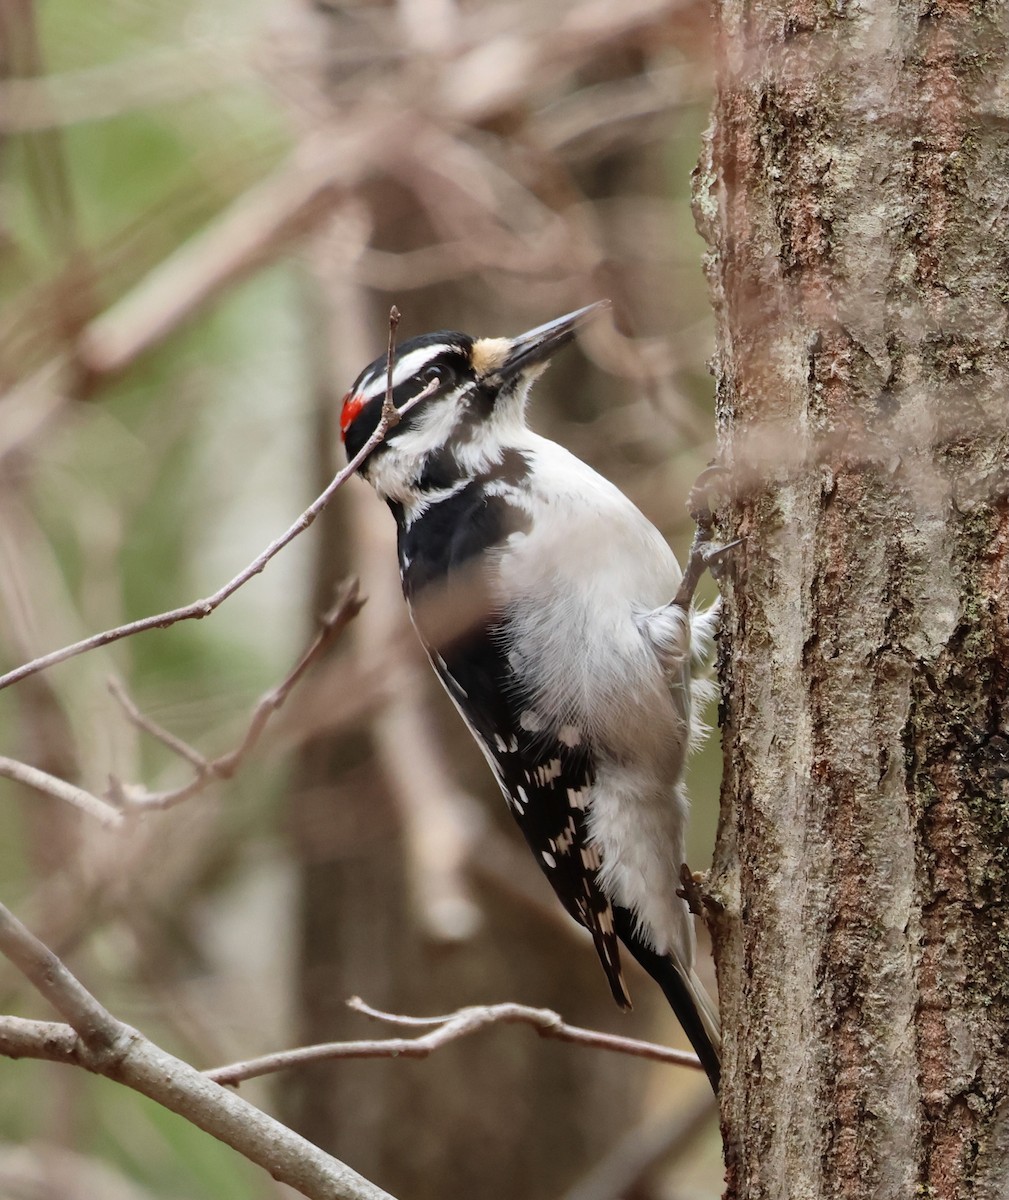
x: 548, y: 858
x: 531, y: 721
x: 591, y: 860
x: 567, y: 837
x: 569, y: 735
x: 549, y: 772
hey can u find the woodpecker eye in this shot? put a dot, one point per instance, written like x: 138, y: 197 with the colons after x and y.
x: 437, y: 373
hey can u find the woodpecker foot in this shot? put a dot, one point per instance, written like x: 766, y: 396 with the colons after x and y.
x: 698, y: 499
x: 698, y: 900
x: 705, y: 554
x: 691, y: 889
x: 716, y: 554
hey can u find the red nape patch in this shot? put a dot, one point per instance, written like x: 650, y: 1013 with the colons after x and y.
x: 352, y: 405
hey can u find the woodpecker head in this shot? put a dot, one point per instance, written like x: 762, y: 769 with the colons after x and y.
x: 475, y: 409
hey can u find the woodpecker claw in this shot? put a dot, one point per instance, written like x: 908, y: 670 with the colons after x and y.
x: 704, y: 552
x: 716, y: 553
x: 698, y: 499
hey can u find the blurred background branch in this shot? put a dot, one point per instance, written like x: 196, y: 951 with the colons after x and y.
x: 442, y: 1031
x: 206, y: 211
x: 96, y: 1040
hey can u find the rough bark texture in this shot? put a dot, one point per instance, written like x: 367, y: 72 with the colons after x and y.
x: 854, y: 191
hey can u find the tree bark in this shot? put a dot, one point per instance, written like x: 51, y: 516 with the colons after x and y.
x: 853, y: 192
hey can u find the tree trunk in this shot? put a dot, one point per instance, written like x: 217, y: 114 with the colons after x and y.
x: 853, y: 193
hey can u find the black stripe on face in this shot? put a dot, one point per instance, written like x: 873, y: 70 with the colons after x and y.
x: 450, y: 356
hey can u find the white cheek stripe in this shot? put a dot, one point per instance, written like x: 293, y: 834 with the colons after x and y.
x: 432, y: 429
x: 395, y: 472
x: 405, y: 368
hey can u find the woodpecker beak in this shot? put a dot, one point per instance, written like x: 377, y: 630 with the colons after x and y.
x: 539, y: 345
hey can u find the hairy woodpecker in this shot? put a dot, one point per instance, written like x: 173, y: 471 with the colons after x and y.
x: 542, y: 597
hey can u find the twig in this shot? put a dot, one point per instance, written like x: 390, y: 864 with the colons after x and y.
x: 51, y: 785
x: 448, y: 1029
x: 117, y: 690
x: 388, y: 408
x: 99, y: 1042
x: 199, y: 609
x: 125, y: 797
x: 97, y: 1028
x: 333, y: 623
x: 548, y: 1023
x: 347, y: 606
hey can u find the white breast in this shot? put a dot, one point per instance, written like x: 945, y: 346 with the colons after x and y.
x: 578, y: 586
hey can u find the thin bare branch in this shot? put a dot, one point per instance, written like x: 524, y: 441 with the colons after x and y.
x: 48, y: 1040
x: 117, y: 689
x: 199, y: 609
x: 379, y: 1014
x: 347, y: 606
x: 60, y: 789
x: 126, y: 797
x: 100, y: 1043
x: 548, y: 1023
x: 333, y: 623
x: 447, y: 1029
x: 388, y: 408
x: 94, y: 1025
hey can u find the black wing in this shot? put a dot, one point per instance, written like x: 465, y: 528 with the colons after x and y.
x: 545, y: 773
x: 545, y: 780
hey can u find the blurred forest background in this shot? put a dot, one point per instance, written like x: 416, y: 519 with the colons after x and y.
x: 206, y: 210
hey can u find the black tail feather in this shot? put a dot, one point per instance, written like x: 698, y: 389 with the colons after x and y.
x: 664, y: 972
